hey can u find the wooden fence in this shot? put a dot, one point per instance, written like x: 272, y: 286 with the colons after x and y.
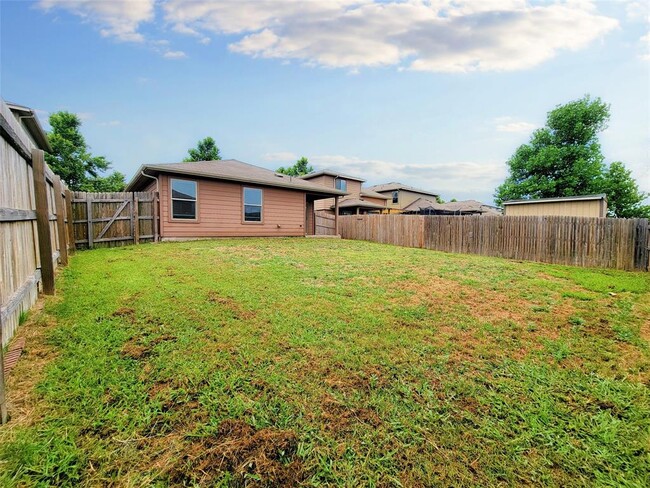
x: 114, y: 219
x: 325, y: 223
x: 576, y: 241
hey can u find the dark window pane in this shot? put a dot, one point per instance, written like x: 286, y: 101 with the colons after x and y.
x: 252, y: 196
x: 252, y: 213
x: 184, y: 189
x: 395, y: 196
x: 182, y: 209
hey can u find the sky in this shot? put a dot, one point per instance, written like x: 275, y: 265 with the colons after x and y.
x: 434, y: 94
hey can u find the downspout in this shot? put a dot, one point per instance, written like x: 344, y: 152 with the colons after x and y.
x: 149, y: 176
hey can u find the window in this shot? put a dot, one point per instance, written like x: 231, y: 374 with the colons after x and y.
x: 252, y: 205
x: 395, y: 196
x: 341, y: 184
x: 184, y: 199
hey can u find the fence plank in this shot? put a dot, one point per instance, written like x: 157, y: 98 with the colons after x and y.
x: 60, y: 220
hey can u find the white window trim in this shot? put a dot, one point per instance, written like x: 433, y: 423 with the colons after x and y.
x: 171, y: 201
x: 243, y: 206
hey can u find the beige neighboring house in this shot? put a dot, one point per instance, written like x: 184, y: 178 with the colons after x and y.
x: 400, y: 196
x: 578, y: 206
x: 229, y: 198
x: 426, y: 206
x: 358, y: 200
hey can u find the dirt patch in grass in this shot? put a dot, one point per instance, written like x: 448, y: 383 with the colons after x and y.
x: 338, y: 418
x: 265, y: 457
x: 238, y: 312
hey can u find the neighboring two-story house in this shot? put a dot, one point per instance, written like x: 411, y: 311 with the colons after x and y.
x: 358, y: 201
x: 401, y: 196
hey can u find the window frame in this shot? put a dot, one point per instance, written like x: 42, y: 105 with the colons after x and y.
x: 243, y: 206
x: 342, y: 180
x: 395, y: 197
x: 171, y: 201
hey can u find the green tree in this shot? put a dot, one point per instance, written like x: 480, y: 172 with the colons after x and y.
x: 302, y: 167
x: 624, y: 199
x: 72, y: 161
x: 564, y: 158
x: 205, y: 150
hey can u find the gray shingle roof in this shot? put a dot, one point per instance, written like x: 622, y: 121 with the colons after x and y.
x: 400, y: 186
x: 331, y: 173
x: 230, y: 170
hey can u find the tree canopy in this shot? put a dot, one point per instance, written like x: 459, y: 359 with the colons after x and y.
x: 564, y: 158
x: 302, y: 167
x: 205, y: 150
x: 72, y: 160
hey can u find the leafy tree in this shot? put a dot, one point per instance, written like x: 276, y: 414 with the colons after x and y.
x: 72, y: 161
x: 564, y: 158
x: 623, y: 196
x: 302, y: 167
x: 205, y: 150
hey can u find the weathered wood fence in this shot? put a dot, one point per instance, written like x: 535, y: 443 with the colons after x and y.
x: 577, y: 241
x: 114, y: 219
x: 325, y: 223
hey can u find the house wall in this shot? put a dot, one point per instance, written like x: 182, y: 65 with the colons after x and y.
x: 378, y: 201
x: 580, y: 208
x: 405, y: 198
x: 354, y: 189
x: 220, y: 212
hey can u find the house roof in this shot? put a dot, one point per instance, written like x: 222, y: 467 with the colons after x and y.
x: 357, y: 202
x: 400, y: 186
x: 465, y: 206
x: 599, y: 196
x: 373, y: 194
x: 29, y: 119
x: 328, y: 172
x: 231, y: 170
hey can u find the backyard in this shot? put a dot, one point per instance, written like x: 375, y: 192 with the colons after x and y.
x: 317, y: 362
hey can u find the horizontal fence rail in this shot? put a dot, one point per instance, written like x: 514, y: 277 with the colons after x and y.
x: 576, y: 241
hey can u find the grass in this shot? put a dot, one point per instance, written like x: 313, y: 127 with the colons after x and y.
x: 330, y: 363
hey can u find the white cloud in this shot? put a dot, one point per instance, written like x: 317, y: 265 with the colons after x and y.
x: 115, y: 18
x: 174, y: 55
x: 509, y: 124
x: 110, y: 123
x: 464, y: 179
x: 282, y: 156
x: 436, y: 35
x: 645, y: 43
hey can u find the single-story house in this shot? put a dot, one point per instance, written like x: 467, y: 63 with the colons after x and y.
x: 400, y: 195
x: 229, y: 198
x: 425, y: 206
x: 576, y: 206
x: 358, y: 201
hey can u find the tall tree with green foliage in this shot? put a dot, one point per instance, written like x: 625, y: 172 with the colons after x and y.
x: 72, y: 161
x: 564, y: 158
x: 205, y: 150
x: 302, y: 167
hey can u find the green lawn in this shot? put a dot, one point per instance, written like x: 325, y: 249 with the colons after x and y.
x: 283, y: 362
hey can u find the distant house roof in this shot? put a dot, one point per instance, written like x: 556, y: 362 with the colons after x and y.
x: 231, y: 170
x: 356, y: 202
x: 28, y: 119
x: 463, y: 207
x: 399, y: 186
x: 599, y: 196
x: 328, y: 172
x: 373, y: 194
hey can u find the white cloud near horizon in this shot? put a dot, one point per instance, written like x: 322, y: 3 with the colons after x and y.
x: 509, y: 124
x: 464, y: 179
x: 421, y: 35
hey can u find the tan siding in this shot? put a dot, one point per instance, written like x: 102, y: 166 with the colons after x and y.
x: 328, y: 181
x: 378, y: 201
x: 581, y: 208
x: 220, y: 212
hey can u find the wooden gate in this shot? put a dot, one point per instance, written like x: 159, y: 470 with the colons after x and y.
x: 114, y: 219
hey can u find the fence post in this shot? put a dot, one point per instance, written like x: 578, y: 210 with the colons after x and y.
x: 136, y: 221
x: 89, y: 218
x: 60, y: 222
x: 3, y: 397
x: 43, y: 221
x: 72, y: 245
x: 156, y: 203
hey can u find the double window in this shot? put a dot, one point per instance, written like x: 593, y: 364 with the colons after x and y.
x: 184, y: 194
x: 341, y: 184
x: 252, y: 205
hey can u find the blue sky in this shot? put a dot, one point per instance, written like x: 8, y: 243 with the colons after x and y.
x: 436, y: 94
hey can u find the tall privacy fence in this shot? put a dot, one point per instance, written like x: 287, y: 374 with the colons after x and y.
x: 576, y: 241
